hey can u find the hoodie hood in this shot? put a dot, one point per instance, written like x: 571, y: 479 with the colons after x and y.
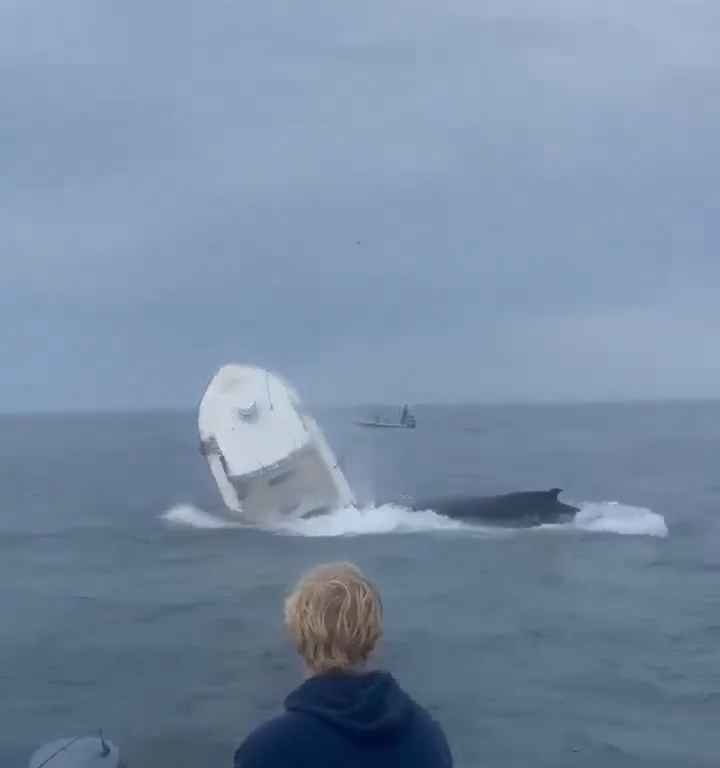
x: 362, y: 705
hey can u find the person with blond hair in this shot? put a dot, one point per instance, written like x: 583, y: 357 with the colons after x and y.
x: 343, y: 714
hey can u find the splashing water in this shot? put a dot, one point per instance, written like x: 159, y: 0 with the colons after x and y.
x: 191, y: 517
x: 625, y: 520
x: 348, y: 521
x: 593, y: 517
x: 357, y: 521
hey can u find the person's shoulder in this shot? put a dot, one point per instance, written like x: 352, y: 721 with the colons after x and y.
x: 432, y: 733
x: 273, y: 743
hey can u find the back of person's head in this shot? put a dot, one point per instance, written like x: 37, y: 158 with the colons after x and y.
x: 334, y: 615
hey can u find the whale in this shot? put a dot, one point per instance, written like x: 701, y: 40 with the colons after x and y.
x: 521, y: 509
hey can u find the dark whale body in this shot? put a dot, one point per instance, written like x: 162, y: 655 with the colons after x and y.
x: 523, y: 509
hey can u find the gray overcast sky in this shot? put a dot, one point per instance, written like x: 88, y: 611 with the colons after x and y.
x: 386, y: 199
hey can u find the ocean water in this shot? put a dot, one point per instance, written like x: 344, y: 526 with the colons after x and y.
x: 128, y: 602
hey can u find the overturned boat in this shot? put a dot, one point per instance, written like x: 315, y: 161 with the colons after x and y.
x: 266, y: 453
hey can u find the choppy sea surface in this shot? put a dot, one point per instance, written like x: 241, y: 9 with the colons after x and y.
x: 128, y: 602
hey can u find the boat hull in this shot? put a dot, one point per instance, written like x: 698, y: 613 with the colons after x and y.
x: 267, y: 455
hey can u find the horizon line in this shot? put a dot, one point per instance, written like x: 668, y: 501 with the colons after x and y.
x: 538, y: 403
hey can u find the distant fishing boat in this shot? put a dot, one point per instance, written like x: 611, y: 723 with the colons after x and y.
x: 407, y: 421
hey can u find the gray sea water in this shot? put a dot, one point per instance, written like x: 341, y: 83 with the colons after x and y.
x: 127, y: 604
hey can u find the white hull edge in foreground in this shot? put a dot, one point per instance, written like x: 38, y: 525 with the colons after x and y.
x: 78, y: 752
x: 268, y: 456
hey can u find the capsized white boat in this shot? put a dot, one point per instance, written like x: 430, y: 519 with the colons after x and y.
x: 267, y: 454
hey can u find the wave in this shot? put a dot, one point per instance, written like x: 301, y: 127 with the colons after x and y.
x: 593, y: 517
x: 348, y: 521
x: 358, y: 521
x: 191, y: 517
x: 622, y: 519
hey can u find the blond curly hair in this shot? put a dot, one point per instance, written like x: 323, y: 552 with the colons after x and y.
x: 334, y: 615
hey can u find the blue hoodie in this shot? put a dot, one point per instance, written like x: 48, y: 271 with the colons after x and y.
x: 347, y: 720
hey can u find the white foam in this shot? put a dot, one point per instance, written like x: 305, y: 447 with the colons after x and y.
x: 192, y: 517
x: 623, y: 519
x: 348, y: 521
x: 358, y: 521
x: 593, y: 517
x: 613, y: 517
